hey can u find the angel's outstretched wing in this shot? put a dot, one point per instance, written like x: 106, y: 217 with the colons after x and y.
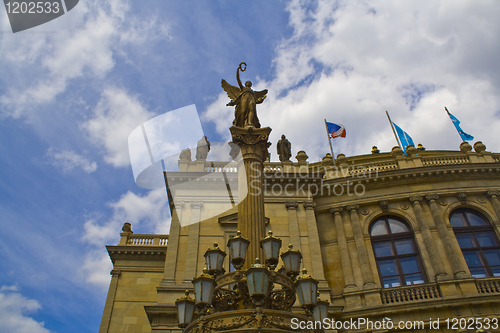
x: 260, y: 95
x: 232, y: 91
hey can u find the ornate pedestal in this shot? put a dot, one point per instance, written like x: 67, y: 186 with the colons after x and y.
x: 251, y: 219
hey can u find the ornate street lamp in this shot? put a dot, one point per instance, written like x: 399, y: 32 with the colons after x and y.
x: 238, y: 247
x: 258, y: 277
x: 185, y: 309
x: 271, y: 246
x: 204, y: 286
x: 291, y: 258
x: 320, y: 311
x: 307, y: 288
x: 214, y: 258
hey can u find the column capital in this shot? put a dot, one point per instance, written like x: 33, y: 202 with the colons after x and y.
x: 196, y: 204
x: 492, y: 194
x: 414, y: 199
x: 384, y: 205
x: 352, y: 207
x: 115, y: 272
x: 309, y: 204
x: 291, y: 205
x: 432, y: 197
x: 336, y: 210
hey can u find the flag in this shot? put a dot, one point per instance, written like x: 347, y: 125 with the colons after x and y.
x: 404, y: 138
x: 336, y: 130
x: 456, y: 122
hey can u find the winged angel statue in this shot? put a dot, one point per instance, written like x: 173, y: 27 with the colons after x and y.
x: 245, y: 100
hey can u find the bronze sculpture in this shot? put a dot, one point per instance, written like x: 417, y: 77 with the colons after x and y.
x: 245, y: 99
x: 284, y: 149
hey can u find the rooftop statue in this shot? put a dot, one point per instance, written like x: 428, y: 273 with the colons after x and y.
x: 245, y: 99
x: 284, y: 149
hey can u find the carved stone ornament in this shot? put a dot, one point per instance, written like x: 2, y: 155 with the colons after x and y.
x: 309, y: 204
x: 465, y: 147
x: 443, y: 201
x: 414, y: 199
x: 481, y: 199
x: 335, y: 210
x: 432, y: 197
x: 127, y: 227
x: 479, y: 147
x: 462, y: 197
x: 384, y: 205
x: 364, y: 211
x: 341, y: 159
x: 404, y: 206
x: 291, y: 205
x: 352, y: 207
x: 284, y: 149
x: 492, y: 194
x: 301, y: 156
x: 396, y: 151
x: 411, y: 150
x: 252, y: 141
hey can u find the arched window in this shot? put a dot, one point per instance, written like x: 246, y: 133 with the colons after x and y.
x: 396, y: 254
x: 478, y: 242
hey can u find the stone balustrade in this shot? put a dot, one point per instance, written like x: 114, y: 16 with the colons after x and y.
x: 144, y: 240
x: 410, y: 294
x: 488, y: 286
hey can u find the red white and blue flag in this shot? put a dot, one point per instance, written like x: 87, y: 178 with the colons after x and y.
x: 335, y: 130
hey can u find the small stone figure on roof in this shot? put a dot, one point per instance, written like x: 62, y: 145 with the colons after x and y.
x: 284, y: 148
x: 245, y: 100
x: 235, y: 150
x: 185, y: 155
x: 202, y: 149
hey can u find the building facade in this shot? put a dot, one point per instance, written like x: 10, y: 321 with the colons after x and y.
x: 411, y: 239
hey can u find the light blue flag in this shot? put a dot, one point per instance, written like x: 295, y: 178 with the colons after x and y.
x: 404, y: 138
x: 456, y: 122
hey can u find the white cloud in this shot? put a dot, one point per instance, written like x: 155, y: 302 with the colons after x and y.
x: 148, y: 212
x: 349, y: 61
x: 84, y: 44
x: 115, y: 116
x: 68, y: 160
x: 13, y: 310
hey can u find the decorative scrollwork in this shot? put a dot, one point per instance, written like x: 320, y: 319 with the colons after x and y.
x: 282, y: 299
x: 225, y: 300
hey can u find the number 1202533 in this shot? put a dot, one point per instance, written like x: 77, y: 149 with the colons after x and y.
x: 37, y: 7
x: 472, y: 323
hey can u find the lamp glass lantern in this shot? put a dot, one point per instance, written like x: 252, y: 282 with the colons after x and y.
x: 271, y: 246
x: 320, y: 311
x: 238, y: 247
x: 214, y: 258
x: 258, y: 280
x: 185, y: 309
x: 307, y: 288
x: 204, y: 286
x: 291, y: 258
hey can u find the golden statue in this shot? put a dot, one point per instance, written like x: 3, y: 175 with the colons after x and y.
x: 245, y: 100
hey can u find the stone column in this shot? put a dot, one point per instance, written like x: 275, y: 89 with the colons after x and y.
x: 293, y: 224
x: 314, y: 246
x: 435, y: 259
x: 251, y: 216
x: 345, y: 258
x: 173, y: 245
x: 450, y: 243
x: 191, y: 270
x: 495, y: 202
x: 359, y: 239
x: 110, y: 300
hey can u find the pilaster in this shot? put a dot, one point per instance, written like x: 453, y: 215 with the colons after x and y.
x: 345, y: 258
x: 192, y: 254
x: 293, y: 224
x: 436, y: 263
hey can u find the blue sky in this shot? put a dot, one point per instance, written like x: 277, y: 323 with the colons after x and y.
x: 73, y: 89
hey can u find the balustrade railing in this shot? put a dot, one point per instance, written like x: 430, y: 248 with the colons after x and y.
x: 428, y: 161
x: 488, y: 286
x: 410, y: 294
x: 147, y: 240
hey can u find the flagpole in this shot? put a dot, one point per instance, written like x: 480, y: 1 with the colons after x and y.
x: 393, y: 131
x: 329, y: 140
x: 449, y: 116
